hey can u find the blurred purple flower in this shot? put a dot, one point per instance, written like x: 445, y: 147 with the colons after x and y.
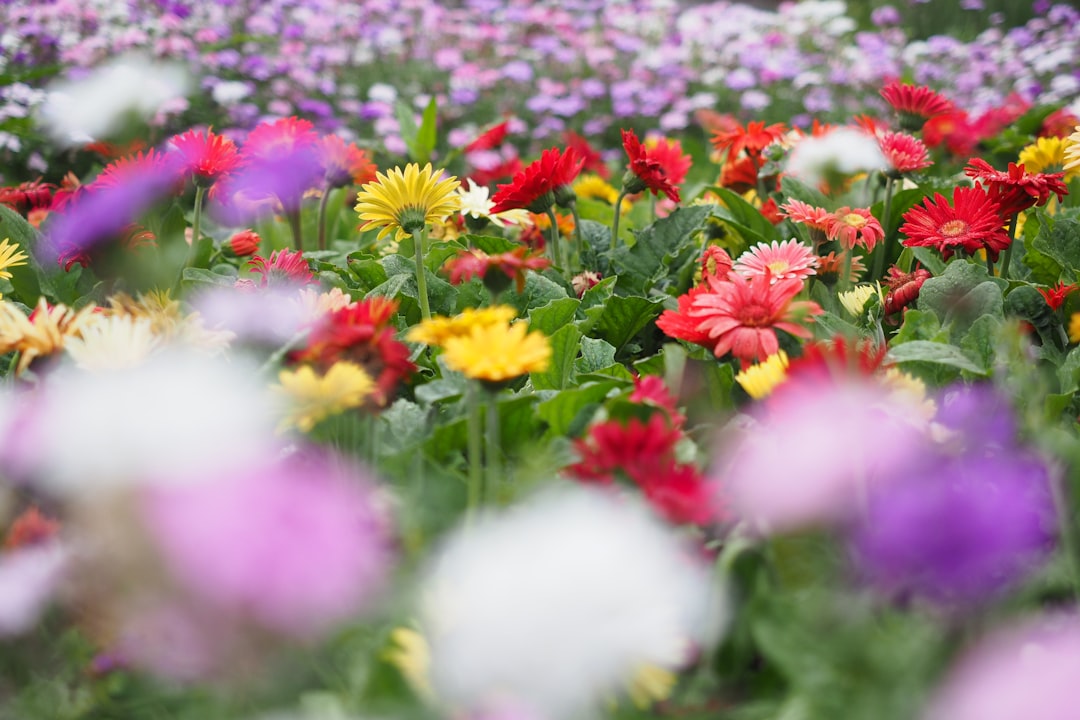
x: 961, y: 529
x: 300, y: 544
x: 979, y: 413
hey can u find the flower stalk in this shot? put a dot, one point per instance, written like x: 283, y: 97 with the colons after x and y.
x: 556, y: 255
x: 879, y: 259
x: 418, y: 234
x: 322, y: 217
x: 474, y: 423
x: 615, y: 222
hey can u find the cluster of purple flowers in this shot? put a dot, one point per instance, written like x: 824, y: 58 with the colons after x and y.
x: 589, y: 65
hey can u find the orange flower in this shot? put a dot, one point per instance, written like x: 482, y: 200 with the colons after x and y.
x: 753, y: 138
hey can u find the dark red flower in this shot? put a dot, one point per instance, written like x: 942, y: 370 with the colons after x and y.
x: 954, y: 130
x: 288, y: 266
x: 753, y: 138
x: 1060, y: 123
x: 678, y: 492
x: 1016, y: 190
x: 645, y: 170
x: 971, y: 223
x: 512, y: 265
x: 27, y: 196
x: 613, y: 445
x: 593, y: 160
x: 205, y: 156
x: 362, y: 333
x: 669, y: 153
x: 915, y: 104
x: 534, y: 187
x: 1056, y: 295
x: 651, y: 390
x: 903, y: 288
x: 489, y: 139
x: 739, y: 174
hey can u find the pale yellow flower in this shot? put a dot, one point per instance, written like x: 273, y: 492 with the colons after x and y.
x: 854, y: 300
x: 10, y: 256
x: 112, y: 343
x: 410, y: 654
x: 41, y: 334
x: 1072, y: 152
x: 311, y: 398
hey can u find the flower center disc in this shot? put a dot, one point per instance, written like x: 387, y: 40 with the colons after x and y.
x: 855, y: 220
x: 953, y: 228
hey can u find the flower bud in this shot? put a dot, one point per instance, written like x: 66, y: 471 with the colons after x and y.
x: 243, y: 243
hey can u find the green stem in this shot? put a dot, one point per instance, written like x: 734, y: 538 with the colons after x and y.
x: 577, y: 240
x: 1007, y: 257
x: 615, y: 222
x: 196, y: 223
x: 844, y: 282
x: 493, y: 452
x: 556, y: 258
x: 989, y: 265
x: 652, y: 206
x: 297, y: 233
x: 1068, y: 532
x: 322, y: 217
x: 476, y: 461
x: 421, y: 278
x: 879, y: 259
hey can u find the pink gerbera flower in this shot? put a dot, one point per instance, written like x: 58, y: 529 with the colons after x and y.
x: 287, y: 266
x: 813, y: 217
x: 904, y: 152
x: 854, y: 226
x: 742, y: 315
x: 779, y: 261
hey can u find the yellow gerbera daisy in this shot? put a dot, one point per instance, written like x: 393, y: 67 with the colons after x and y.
x: 1072, y: 152
x: 651, y: 684
x: 1047, y: 155
x: 761, y: 379
x: 855, y: 299
x: 594, y: 187
x: 407, y: 200
x: 439, y: 329
x: 312, y: 398
x: 499, y: 352
x: 10, y: 256
x: 41, y: 334
x: 410, y: 654
x: 1074, y: 328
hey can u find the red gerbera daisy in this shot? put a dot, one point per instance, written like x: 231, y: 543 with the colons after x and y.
x: 669, y: 153
x: 243, y: 243
x: 489, y: 139
x: 614, y: 445
x: 133, y: 169
x: 753, y: 138
x: 1016, y: 190
x: 508, y: 266
x: 651, y: 390
x: 854, y: 226
x: 739, y: 174
x: 836, y: 359
x: 1060, y: 123
x: 593, y: 160
x: 1056, y: 295
x: 903, y: 288
x: 915, y: 104
x: 205, y: 156
x: 741, y: 316
x: 30, y: 528
x: 678, y: 323
x: 534, y: 187
x: 281, y: 138
x: 344, y: 163
x: 807, y: 214
x: 971, y: 223
x: 778, y: 261
x: 362, y: 333
x: 27, y: 196
x: 645, y: 172
x: 904, y: 152
x: 283, y: 266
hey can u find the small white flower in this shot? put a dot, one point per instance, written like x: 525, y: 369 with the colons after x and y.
x: 112, y: 343
x: 843, y: 151
x: 475, y: 202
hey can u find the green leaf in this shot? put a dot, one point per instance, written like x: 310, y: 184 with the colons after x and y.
x: 560, y: 411
x: 442, y: 296
x: 980, y: 341
x: 920, y: 325
x: 929, y: 259
x: 595, y: 245
x: 368, y: 271
x: 799, y: 190
x: 660, y: 249
x: 624, y: 317
x: 491, y: 244
x: 553, y: 316
x: 596, y: 355
x: 24, y: 278
x: 936, y: 353
x: 1069, y: 372
x: 948, y: 292
x: 565, y: 344
x: 1062, y: 244
x: 538, y: 291
x: 439, y: 252
x: 426, y: 135
x: 202, y: 276
x: 743, y: 213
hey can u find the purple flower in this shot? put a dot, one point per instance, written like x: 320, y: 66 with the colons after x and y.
x: 885, y: 15
x: 299, y: 545
x: 964, y: 527
x: 979, y: 413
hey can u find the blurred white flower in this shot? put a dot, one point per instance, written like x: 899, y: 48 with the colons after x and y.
x: 175, y: 418
x: 230, y: 92
x: 843, y: 151
x: 112, y: 343
x: 555, y: 604
x: 94, y: 107
x: 28, y: 578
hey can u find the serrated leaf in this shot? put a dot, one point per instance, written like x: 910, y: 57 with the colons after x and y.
x: 565, y: 344
x: 1062, y: 244
x: 660, y: 249
x: 596, y: 245
x: 929, y: 259
x: 202, y: 276
x: 491, y: 244
x: 538, y: 291
x: 596, y: 355
x: 553, y: 316
x: 942, y: 294
x: 799, y: 190
x: 1069, y: 372
x: 24, y: 278
x: 624, y: 317
x: 979, y: 342
x: 936, y: 353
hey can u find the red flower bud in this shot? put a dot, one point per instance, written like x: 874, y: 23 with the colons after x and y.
x: 243, y: 243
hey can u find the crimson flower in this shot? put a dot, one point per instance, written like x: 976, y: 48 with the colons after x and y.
x: 362, y: 333
x: 287, y: 266
x: 753, y: 138
x: 669, y: 153
x: 1056, y: 295
x: 1016, y: 190
x: 903, y: 288
x: 489, y: 139
x: 31, y: 527
x: 205, y: 156
x: 739, y: 174
x: 971, y: 223
x: 593, y: 160
x: 836, y: 359
x: 680, y: 325
x: 915, y: 104
x: 534, y: 187
x: 512, y: 266
x: 645, y: 172
x: 651, y: 390
x: 27, y: 196
x: 741, y: 316
x: 904, y: 152
x: 134, y: 169
x: 1060, y: 123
